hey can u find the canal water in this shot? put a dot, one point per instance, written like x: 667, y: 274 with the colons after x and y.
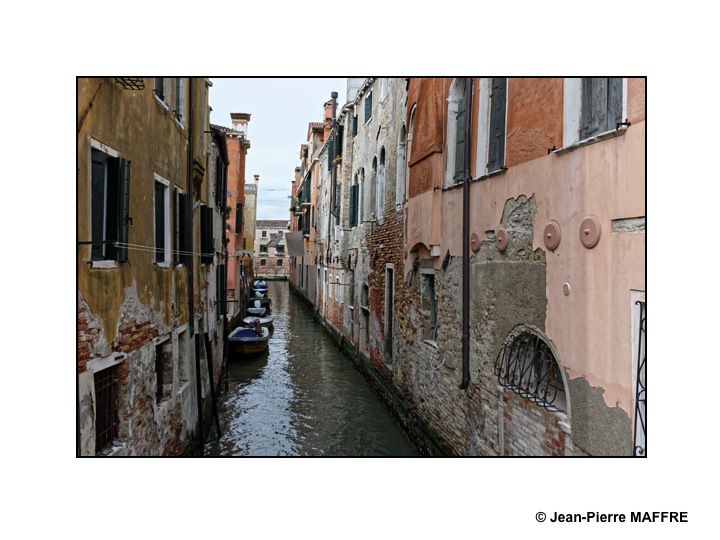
x: 302, y: 397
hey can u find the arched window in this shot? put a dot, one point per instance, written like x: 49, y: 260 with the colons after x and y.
x: 455, y: 150
x: 527, y: 366
x: 381, y: 185
x: 373, y: 189
x: 400, y: 176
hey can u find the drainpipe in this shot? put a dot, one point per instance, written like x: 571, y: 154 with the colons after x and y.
x: 333, y: 181
x: 191, y: 262
x: 466, y: 239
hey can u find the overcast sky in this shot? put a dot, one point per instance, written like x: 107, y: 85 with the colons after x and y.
x: 281, y: 110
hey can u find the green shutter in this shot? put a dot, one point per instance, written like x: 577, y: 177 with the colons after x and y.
x: 498, y: 100
x: 368, y: 107
x: 353, y: 214
x: 207, y: 247
x: 98, y: 159
x: 159, y: 223
x: 183, y: 227
x: 615, y: 102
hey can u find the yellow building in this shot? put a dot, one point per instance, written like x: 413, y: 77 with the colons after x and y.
x: 149, y: 263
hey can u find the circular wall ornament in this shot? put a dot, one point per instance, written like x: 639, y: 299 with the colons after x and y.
x: 551, y: 235
x: 590, y: 230
x: 501, y: 239
x: 475, y: 241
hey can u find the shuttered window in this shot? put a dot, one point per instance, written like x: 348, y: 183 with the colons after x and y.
x: 218, y: 181
x: 206, y: 235
x: 354, y: 125
x: 238, y: 218
x: 220, y: 288
x: 182, y: 234
x: 498, y: 101
x: 159, y: 222
x: 160, y: 88
x: 460, y: 133
x: 110, y: 192
x: 353, y: 205
x: 368, y: 107
x: 601, y: 105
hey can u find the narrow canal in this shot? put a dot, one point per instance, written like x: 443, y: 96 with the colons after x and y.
x: 302, y: 397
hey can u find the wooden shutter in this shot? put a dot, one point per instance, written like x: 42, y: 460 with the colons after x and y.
x: 615, y: 102
x: 460, y: 136
x: 123, y: 215
x: 97, y: 226
x: 112, y: 208
x: 353, y: 209
x: 238, y: 218
x: 207, y: 244
x: 159, y: 222
x: 183, y: 227
x: 498, y: 99
x: 218, y: 181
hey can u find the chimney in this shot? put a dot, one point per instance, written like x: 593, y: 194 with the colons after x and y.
x: 329, y: 116
x: 257, y: 179
x: 240, y: 122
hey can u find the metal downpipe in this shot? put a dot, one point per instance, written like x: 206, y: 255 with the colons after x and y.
x: 466, y: 239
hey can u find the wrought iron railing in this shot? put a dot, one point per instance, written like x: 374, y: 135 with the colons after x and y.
x: 526, y: 365
x: 639, y: 442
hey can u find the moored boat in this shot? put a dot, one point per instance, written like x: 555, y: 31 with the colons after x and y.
x: 246, y: 340
x: 266, y: 321
x: 257, y: 311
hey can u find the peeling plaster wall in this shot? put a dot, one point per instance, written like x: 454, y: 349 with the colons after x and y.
x: 124, y: 311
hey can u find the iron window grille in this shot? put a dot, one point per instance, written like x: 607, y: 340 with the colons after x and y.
x: 527, y: 366
x: 107, y: 384
x: 639, y: 442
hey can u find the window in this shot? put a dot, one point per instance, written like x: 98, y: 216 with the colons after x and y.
x: 527, y: 366
x: 207, y: 242
x: 162, y: 221
x: 428, y: 305
x: 263, y: 262
x: 361, y: 201
x: 602, y: 106
x: 353, y: 207
x: 279, y: 262
x: 238, y: 218
x: 280, y: 249
x: 455, y: 159
x: 264, y: 234
x: 180, y: 255
x: 381, y: 184
x: 163, y: 370
x: 368, y: 107
x: 263, y: 248
x: 107, y: 385
x: 365, y: 296
x: 354, y: 125
x: 498, y: 108
x: 351, y: 289
x: 179, y: 102
x: 220, y: 291
x: 400, y: 170
x: 160, y: 88
x: 110, y: 186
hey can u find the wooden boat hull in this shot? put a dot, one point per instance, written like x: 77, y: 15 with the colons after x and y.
x: 245, y: 341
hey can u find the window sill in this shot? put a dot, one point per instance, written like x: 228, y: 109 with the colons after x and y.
x: 592, y: 140
x: 431, y: 343
x: 104, y: 264
x: 478, y: 178
x: 161, y: 102
x: 163, y: 265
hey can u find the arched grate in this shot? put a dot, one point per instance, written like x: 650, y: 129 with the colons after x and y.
x: 527, y: 366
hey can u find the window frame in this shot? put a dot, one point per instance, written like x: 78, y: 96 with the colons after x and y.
x: 167, y: 247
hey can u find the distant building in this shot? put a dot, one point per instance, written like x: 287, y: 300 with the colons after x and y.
x: 271, y: 259
x: 251, y: 191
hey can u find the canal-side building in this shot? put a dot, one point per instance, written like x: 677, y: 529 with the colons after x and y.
x: 148, y: 260
x: 271, y: 260
x: 304, y: 217
x: 554, y: 362
x: 239, y: 269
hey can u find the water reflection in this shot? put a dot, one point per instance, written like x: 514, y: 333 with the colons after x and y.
x: 302, y: 397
